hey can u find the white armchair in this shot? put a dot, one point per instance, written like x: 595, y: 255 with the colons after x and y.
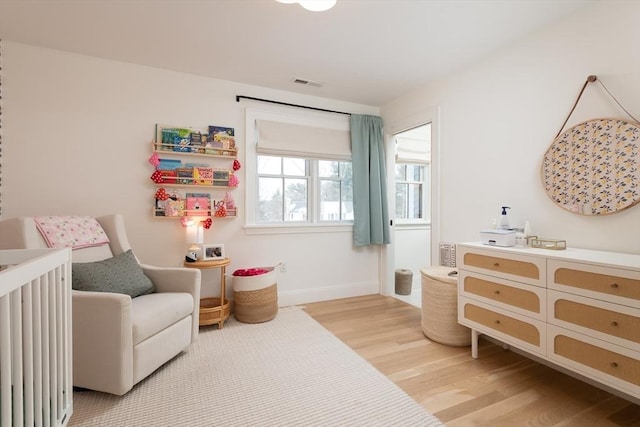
x: 119, y: 340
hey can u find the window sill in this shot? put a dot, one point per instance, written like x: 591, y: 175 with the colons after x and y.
x: 412, y: 225
x: 255, y: 229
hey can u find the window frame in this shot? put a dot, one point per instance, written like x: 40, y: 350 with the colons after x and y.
x: 426, y: 209
x: 285, y: 115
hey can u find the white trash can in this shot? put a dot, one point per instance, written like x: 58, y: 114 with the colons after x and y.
x: 440, y: 307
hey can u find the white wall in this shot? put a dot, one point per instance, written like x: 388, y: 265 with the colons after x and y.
x: 77, y: 136
x: 499, y: 116
x: 412, y: 249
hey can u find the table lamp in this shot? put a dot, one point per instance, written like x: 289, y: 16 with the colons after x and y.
x: 195, y: 237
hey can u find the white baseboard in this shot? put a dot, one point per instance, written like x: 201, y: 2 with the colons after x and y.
x: 303, y: 296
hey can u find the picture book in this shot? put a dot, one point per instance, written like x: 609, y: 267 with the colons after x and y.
x: 185, y: 176
x: 176, y: 139
x: 169, y: 164
x: 203, y: 175
x: 221, y: 178
x: 198, y: 204
x: 171, y: 206
x: 168, y: 176
x: 220, y: 131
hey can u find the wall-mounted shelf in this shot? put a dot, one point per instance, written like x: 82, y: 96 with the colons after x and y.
x: 185, y: 186
x: 203, y: 151
x: 159, y: 213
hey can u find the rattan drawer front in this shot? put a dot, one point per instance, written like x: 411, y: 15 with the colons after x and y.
x: 606, y: 361
x: 599, y: 319
x: 605, y: 281
x: 507, y: 325
x: 502, y: 265
x: 526, y: 300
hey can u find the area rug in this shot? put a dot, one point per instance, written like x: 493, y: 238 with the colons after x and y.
x: 290, y: 371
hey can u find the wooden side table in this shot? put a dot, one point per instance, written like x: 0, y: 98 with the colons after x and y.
x: 214, y: 310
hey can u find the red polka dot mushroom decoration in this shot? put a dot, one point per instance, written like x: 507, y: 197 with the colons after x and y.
x: 161, y: 194
x: 157, y: 177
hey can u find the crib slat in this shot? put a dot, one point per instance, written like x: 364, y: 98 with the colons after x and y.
x: 53, y: 350
x: 27, y: 334
x: 37, y: 352
x: 5, y: 361
x: 17, y: 368
x: 44, y: 326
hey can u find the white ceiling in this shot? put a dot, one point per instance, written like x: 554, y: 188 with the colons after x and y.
x: 365, y: 51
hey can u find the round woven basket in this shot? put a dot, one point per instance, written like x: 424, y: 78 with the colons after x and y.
x: 256, y: 306
x: 255, y: 298
x: 440, y: 308
x: 404, y: 279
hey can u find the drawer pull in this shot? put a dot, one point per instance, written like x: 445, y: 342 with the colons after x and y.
x: 497, y: 292
x: 614, y: 323
x: 497, y: 264
x: 614, y: 365
x: 614, y: 285
x: 497, y: 322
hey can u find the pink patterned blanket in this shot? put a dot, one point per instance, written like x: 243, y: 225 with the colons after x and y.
x: 71, y: 231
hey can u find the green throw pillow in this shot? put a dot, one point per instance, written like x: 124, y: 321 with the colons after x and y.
x: 121, y: 274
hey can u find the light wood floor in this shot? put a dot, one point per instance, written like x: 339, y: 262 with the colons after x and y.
x: 500, y: 388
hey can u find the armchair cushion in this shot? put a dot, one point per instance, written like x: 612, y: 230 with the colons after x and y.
x: 152, y: 313
x: 121, y: 274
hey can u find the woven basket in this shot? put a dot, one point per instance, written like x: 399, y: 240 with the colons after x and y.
x: 404, y: 280
x: 256, y: 306
x: 440, y: 311
x: 255, y: 298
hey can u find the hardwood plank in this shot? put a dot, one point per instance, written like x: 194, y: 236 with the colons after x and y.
x: 500, y: 388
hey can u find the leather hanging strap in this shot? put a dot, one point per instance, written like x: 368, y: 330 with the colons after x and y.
x: 591, y: 79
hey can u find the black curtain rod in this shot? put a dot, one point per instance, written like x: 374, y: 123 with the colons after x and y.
x: 238, y: 97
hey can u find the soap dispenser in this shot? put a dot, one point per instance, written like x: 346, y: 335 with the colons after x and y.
x: 504, y: 219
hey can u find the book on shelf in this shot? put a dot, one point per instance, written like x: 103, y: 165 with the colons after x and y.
x: 220, y: 131
x: 221, y: 140
x: 173, y: 206
x: 168, y: 175
x: 185, y: 176
x: 198, y: 204
x: 203, y: 175
x: 221, y: 178
x: 173, y: 138
x: 169, y: 164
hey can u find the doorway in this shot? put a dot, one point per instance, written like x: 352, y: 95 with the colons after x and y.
x: 412, y: 213
x: 426, y: 124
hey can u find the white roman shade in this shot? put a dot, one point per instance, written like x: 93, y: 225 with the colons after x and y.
x: 292, y: 140
x: 410, y: 150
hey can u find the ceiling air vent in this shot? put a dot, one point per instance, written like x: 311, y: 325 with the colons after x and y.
x: 306, y: 82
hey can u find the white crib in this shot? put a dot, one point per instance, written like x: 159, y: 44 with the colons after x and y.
x: 36, y: 385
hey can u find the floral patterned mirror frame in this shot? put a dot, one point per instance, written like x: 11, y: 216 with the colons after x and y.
x: 593, y: 168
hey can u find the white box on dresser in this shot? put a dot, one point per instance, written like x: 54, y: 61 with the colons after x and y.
x: 578, y: 309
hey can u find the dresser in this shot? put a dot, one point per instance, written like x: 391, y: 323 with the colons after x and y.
x: 576, y: 308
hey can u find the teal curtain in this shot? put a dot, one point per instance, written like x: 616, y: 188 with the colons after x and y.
x: 370, y: 211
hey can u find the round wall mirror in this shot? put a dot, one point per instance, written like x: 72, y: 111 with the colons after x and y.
x: 593, y: 168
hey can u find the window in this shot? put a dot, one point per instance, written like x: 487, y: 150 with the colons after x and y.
x: 412, y: 174
x: 298, y: 172
x: 283, y: 190
x: 283, y: 185
x: 410, y: 190
x: 336, y: 190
